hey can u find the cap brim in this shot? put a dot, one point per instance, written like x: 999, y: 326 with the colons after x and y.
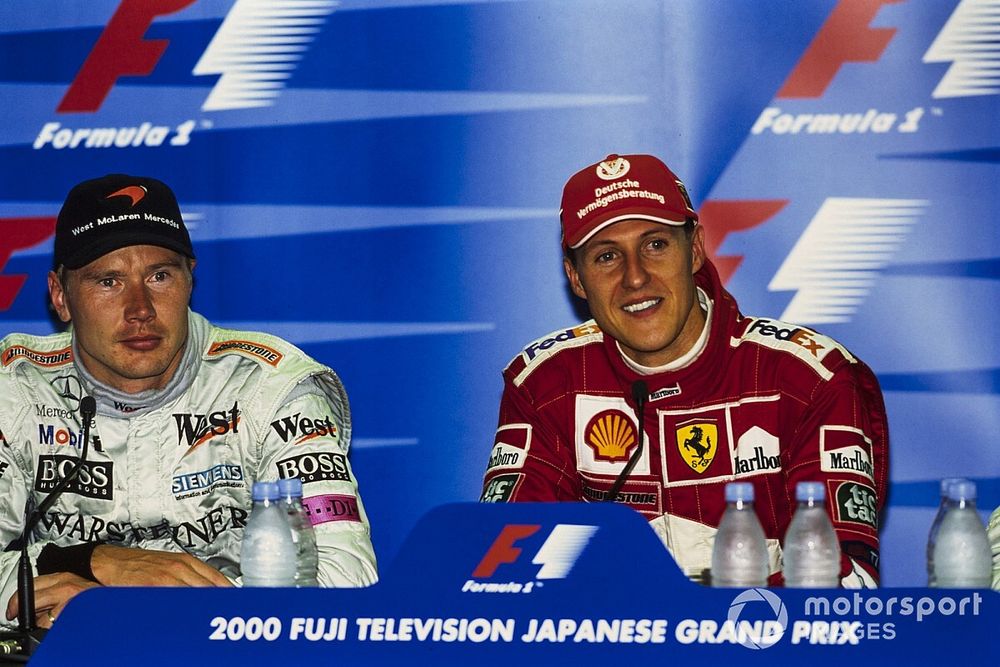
x: 88, y: 254
x: 600, y: 224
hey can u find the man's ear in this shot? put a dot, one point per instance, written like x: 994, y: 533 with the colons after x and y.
x: 697, y: 248
x: 574, y: 279
x: 58, y: 296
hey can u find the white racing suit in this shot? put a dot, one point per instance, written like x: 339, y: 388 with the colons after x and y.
x: 172, y: 469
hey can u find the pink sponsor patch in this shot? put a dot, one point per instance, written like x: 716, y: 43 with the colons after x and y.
x: 331, y: 507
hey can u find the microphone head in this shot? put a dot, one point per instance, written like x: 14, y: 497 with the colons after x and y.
x: 640, y: 391
x: 88, y: 406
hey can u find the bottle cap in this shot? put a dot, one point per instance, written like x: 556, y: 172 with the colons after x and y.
x: 290, y: 487
x: 962, y: 490
x: 739, y: 491
x: 813, y: 491
x: 948, y: 481
x: 265, y: 491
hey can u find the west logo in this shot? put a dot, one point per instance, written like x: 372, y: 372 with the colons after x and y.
x: 194, y: 429
x: 303, y: 428
x: 556, y: 556
x: 325, y: 466
x: 95, y: 479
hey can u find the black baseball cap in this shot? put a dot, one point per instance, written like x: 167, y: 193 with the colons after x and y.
x: 116, y: 211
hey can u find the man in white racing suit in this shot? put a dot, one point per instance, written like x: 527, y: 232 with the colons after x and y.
x: 189, y: 415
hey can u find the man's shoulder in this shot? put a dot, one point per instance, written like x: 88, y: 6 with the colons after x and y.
x: 552, y: 349
x: 42, y: 352
x: 784, y: 342
x: 268, y: 351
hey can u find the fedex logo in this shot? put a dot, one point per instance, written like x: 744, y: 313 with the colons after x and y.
x: 556, y: 557
x: 254, y: 52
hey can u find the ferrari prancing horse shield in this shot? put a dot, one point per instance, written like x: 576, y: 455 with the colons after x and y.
x: 697, y: 443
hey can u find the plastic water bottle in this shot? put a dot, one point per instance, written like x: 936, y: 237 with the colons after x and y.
x: 267, y: 555
x: 962, y: 557
x: 936, y: 525
x: 739, y: 555
x: 303, y: 534
x: 812, y: 552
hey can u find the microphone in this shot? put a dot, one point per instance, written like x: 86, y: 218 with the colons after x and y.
x: 640, y: 394
x: 29, y: 632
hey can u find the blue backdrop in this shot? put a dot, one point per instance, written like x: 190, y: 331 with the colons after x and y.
x: 378, y: 181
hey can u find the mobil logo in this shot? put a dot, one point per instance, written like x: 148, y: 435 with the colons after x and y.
x: 253, y: 53
x: 525, y: 551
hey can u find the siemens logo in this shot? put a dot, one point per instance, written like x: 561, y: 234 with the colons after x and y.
x: 205, y: 480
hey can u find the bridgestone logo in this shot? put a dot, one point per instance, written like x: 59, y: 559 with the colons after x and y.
x: 38, y: 358
x: 268, y: 354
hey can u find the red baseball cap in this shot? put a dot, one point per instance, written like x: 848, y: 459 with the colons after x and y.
x: 621, y: 187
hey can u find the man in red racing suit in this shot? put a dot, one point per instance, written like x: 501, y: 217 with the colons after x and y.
x: 748, y: 399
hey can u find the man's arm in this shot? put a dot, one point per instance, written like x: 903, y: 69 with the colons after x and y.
x: 529, y: 461
x: 309, y: 439
x: 843, y: 441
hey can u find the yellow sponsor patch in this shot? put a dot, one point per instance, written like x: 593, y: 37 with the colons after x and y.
x: 697, y: 443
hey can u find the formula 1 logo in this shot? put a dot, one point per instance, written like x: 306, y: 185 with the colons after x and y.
x: 255, y: 51
x: 19, y: 234
x: 556, y: 556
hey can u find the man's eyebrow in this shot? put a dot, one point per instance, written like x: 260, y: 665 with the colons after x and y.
x: 93, y: 274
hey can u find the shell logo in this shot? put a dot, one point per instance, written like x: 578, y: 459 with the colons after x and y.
x: 611, y: 434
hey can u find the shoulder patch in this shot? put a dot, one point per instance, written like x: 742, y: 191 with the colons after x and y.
x: 249, y: 348
x: 802, y: 342
x: 551, y: 344
x: 44, y: 358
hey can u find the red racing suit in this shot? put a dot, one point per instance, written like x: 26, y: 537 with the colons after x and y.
x: 764, y: 401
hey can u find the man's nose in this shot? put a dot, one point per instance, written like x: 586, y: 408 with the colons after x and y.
x: 138, y: 304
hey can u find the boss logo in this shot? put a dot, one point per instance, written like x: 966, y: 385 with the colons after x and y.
x: 325, y: 466
x: 95, y: 479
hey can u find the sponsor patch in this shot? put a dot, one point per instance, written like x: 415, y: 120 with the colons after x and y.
x: 856, y: 503
x: 510, y: 448
x: 331, y: 507
x: 500, y: 489
x: 258, y: 350
x: 201, y: 483
x: 45, y: 359
x: 697, y: 443
x: 95, y: 479
x: 642, y: 494
x: 321, y: 467
x: 606, y: 434
x: 59, y: 436
x: 194, y: 429
x: 757, y: 451
x: 806, y: 344
x: 543, y: 348
x: 665, y: 392
x: 302, y: 428
x: 611, y: 434
x: 846, y: 449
